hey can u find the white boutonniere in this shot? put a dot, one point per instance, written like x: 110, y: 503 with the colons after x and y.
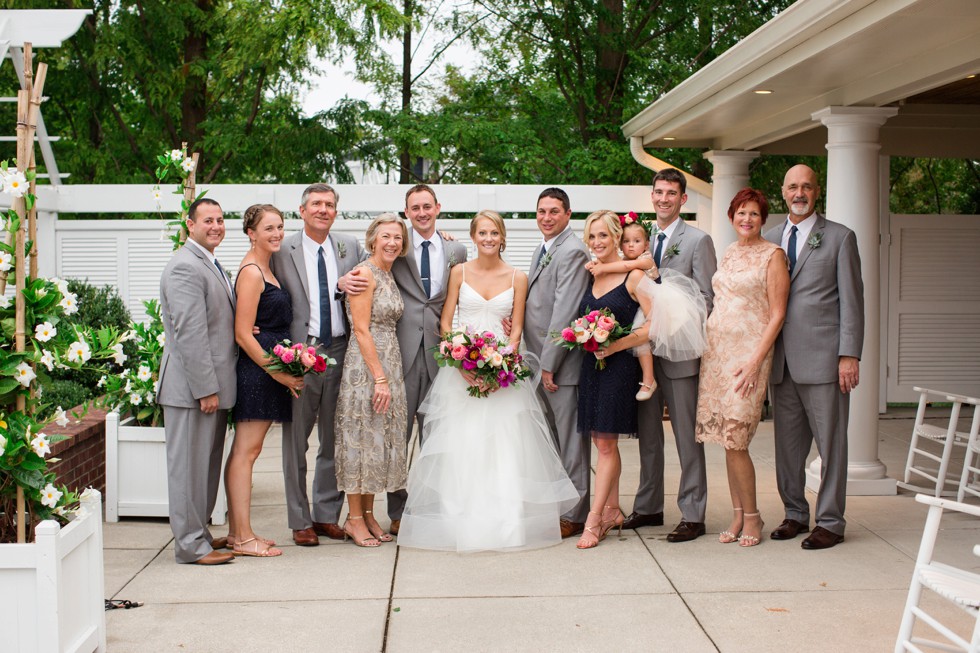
x: 452, y: 260
x: 341, y: 249
x: 815, y: 240
x: 545, y: 260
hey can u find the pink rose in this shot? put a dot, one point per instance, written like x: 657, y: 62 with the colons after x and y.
x: 568, y: 334
x: 307, y: 359
x: 278, y: 349
x: 287, y: 356
x: 591, y: 317
x: 311, y: 351
x: 459, y: 352
x: 479, y: 342
x: 605, y: 323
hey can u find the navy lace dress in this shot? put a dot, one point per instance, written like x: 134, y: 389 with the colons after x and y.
x: 607, y: 398
x: 260, y: 397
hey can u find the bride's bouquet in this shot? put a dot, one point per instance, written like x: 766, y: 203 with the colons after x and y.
x: 493, y: 363
x: 597, y: 328
x: 298, y: 359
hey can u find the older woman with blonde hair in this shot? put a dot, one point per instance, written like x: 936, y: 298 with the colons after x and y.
x: 370, y: 450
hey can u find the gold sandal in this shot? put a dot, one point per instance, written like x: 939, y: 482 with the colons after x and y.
x: 366, y: 542
x: 254, y: 551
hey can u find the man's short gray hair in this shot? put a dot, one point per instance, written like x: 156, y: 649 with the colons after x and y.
x: 319, y: 188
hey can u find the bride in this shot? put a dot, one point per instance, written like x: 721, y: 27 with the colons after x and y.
x: 488, y: 476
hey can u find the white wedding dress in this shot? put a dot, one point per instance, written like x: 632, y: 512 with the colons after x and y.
x: 488, y: 476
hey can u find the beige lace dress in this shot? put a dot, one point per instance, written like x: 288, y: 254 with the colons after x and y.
x: 735, y: 326
x: 370, y: 448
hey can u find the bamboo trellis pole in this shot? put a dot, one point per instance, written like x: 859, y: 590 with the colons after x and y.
x: 20, y: 207
x: 189, y: 189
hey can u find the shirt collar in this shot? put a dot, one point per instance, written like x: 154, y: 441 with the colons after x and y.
x: 549, y: 243
x: 417, y: 239
x: 804, y: 227
x: 209, y: 255
x: 312, y: 245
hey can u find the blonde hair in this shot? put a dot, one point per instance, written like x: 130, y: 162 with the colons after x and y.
x: 497, y: 221
x: 372, y: 231
x: 610, y: 219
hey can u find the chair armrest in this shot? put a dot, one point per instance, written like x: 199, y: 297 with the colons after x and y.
x: 948, y: 504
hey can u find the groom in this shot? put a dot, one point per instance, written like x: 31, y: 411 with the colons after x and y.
x: 556, y: 283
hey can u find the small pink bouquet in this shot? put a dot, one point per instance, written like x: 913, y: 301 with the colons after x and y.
x: 597, y: 328
x: 494, y: 363
x: 298, y: 359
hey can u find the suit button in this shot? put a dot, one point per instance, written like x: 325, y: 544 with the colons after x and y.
x: 420, y: 328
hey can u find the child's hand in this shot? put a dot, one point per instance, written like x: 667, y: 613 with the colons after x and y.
x: 653, y: 272
x: 598, y: 269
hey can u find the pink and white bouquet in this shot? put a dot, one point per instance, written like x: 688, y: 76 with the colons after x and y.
x: 597, y: 328
x: 298, y: 359
x: 493, y: 363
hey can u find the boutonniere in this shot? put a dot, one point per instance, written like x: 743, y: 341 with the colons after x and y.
x: 545, y: 260
x: 673, y: 250
x: 452, y: 260
x: 341, y: 249
x: 814, y: 240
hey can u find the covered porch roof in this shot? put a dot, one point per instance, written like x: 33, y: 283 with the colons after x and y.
x: 921, y: 56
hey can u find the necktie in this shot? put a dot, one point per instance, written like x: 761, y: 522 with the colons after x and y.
x: 541, y: 254
x: 424, y: 268
x: 660, y: 247
x: 224, y: 277
x: 791, y: 248
x: 326, y: 325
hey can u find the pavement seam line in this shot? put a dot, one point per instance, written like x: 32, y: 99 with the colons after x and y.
x: 391, y: 598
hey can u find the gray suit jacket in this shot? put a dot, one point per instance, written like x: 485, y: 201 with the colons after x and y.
x: 290, y: 268
x: 825, y: 313
x: 198, y: 312
x: 695, y: 258
x: 419, y: 323
x: 555, y: 290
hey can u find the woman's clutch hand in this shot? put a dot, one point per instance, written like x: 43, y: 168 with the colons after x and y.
x: 294, y: 383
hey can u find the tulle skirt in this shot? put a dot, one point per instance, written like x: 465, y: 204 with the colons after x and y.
x: 488, y: 477
x: 677, y: 316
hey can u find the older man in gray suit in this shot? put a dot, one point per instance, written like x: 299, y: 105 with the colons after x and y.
x: 556, y: 283
x: 685, y: 249
x: 197, y: 381
x: 308, y: 266
x: 815, y: 362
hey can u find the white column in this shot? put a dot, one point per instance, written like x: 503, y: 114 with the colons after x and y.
x: 730, y: 174
x: 852, y: 192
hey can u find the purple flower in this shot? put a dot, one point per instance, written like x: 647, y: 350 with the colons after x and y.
x: 505, y: 378
x: 469, y: 365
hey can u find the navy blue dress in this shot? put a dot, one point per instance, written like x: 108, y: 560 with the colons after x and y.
x: 607, y: 398
x: 260, y: 397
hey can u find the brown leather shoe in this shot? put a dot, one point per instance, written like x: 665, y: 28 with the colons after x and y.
x: 686, y: 531
x: 333, y: 531
x: 215, y: 558
x: 821, y: 538
x: 305, y: 537
x: 635, y: 520
x: 220, y: 543
x: 789, y: 529
x: 569, y: 528
x: 396, y: 524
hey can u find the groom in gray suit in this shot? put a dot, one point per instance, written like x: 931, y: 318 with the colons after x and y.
x: 197, y: 381
x: 308, y: 265
x: 688, y: 250
x: 556, y: 283
x: 816, y: 359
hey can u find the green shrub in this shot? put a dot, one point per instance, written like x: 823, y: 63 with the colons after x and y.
x: 66, y: 393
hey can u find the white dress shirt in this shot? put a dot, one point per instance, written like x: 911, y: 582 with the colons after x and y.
x: 310, y: 251
x: 803, y: 230
x: 437, y: 260
x: 211, y: 257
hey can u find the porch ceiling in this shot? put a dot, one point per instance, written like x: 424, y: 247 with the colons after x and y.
x: 913, y: 54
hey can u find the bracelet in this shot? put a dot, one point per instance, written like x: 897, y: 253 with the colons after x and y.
x: 380, y: 379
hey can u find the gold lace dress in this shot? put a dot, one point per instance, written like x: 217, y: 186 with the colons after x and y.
x: 370, y: 448
x: 735, y: 326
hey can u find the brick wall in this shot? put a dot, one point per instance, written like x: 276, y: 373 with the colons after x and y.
x: 82, y: 455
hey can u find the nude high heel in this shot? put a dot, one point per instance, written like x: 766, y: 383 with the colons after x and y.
x: 727, y: 537
x: 616, y: 521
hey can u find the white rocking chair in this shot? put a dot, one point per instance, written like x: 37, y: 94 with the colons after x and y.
x: 935, y: 444
x: 971, y: 469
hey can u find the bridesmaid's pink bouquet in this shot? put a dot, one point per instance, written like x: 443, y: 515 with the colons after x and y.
x: 298, y: 359
x: 493, y: 363
x: 597, y: 328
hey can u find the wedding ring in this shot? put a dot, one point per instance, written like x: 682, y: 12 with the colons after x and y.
x: 751, y: 385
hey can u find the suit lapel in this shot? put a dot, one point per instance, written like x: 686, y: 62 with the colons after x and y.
x: 296, y: 255
x: 675, y: 239
x: 413, y: 266
x: 805, y: 254
x: 559, y: 241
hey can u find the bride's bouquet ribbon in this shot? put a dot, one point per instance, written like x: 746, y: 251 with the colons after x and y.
x: 493, y: 363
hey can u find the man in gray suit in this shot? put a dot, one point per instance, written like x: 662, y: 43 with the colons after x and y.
x: 556, y: 283
x: 680, y: 247
x: 197, y: 381
x: 815, y: 362
x: 308, y: 266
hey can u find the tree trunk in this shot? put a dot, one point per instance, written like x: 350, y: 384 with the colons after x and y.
x: 405, y: 157
x: 193, y: 101
x: 610, y: 63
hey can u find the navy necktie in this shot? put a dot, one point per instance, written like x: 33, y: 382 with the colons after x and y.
x: 791, y: 248
x: 326, y: 323
x: 541, y: 254
x: 660, y: 247
x: 424, y: 269
x: 221, y: 271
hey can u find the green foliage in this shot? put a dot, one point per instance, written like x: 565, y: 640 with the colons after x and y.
x: 67, y: 393
x: 926, y: 185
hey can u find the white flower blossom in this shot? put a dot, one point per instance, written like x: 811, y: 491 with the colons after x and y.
x: 15, y: 183
x: 176, y: 155
x: 24, y: 374
x: 47, y: 359
x: 149, y: 397
x: 162, y: 339
x: 129, y: 386
x: 102, y: 382
x: 144, y: 374
x: 3, y: 443
x: 41, y: 292
x: 4, y: 301
x: 117, y: 354
x: 69, y: 303
x: 187, y: 164
x: 50, y: 496
x: 135, y: 398
x: 45, y: 331
x: 40, y: 445
x: 79, y: 352
x: 61, y: 417
x: 157, y: 195
x: 6, y: 261
x: 62, y: 285
x: 129, y: 335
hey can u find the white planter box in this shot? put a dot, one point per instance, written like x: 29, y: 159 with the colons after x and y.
x: 136, y: 472
x: 52, y: 590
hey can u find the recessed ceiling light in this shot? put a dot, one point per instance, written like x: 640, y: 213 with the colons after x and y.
x: 762, y: 91
x: 970, y: 76
x: 669, y: 138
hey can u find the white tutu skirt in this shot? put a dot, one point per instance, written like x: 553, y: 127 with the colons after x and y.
x: 488, y: 477
x: 677, y: 316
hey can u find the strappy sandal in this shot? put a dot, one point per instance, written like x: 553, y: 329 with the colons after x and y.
x: 615, y: 522
x: 383, y: 537
x: 254, y: 551
x: 751, y: 540
x: 366, y: 542
x: 595, y: 531
x: 265, y: 541
x: 121, y: 604
x: 727, y: 537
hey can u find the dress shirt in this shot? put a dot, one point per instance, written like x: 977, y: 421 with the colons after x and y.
x: 310, y: 248
x: 803, y: 230
x: 669, y: 233
x: 210, y: 257
x: 548, y: 243
x: 437, y: 260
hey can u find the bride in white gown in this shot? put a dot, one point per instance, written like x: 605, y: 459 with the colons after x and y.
x: 488, y: 476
